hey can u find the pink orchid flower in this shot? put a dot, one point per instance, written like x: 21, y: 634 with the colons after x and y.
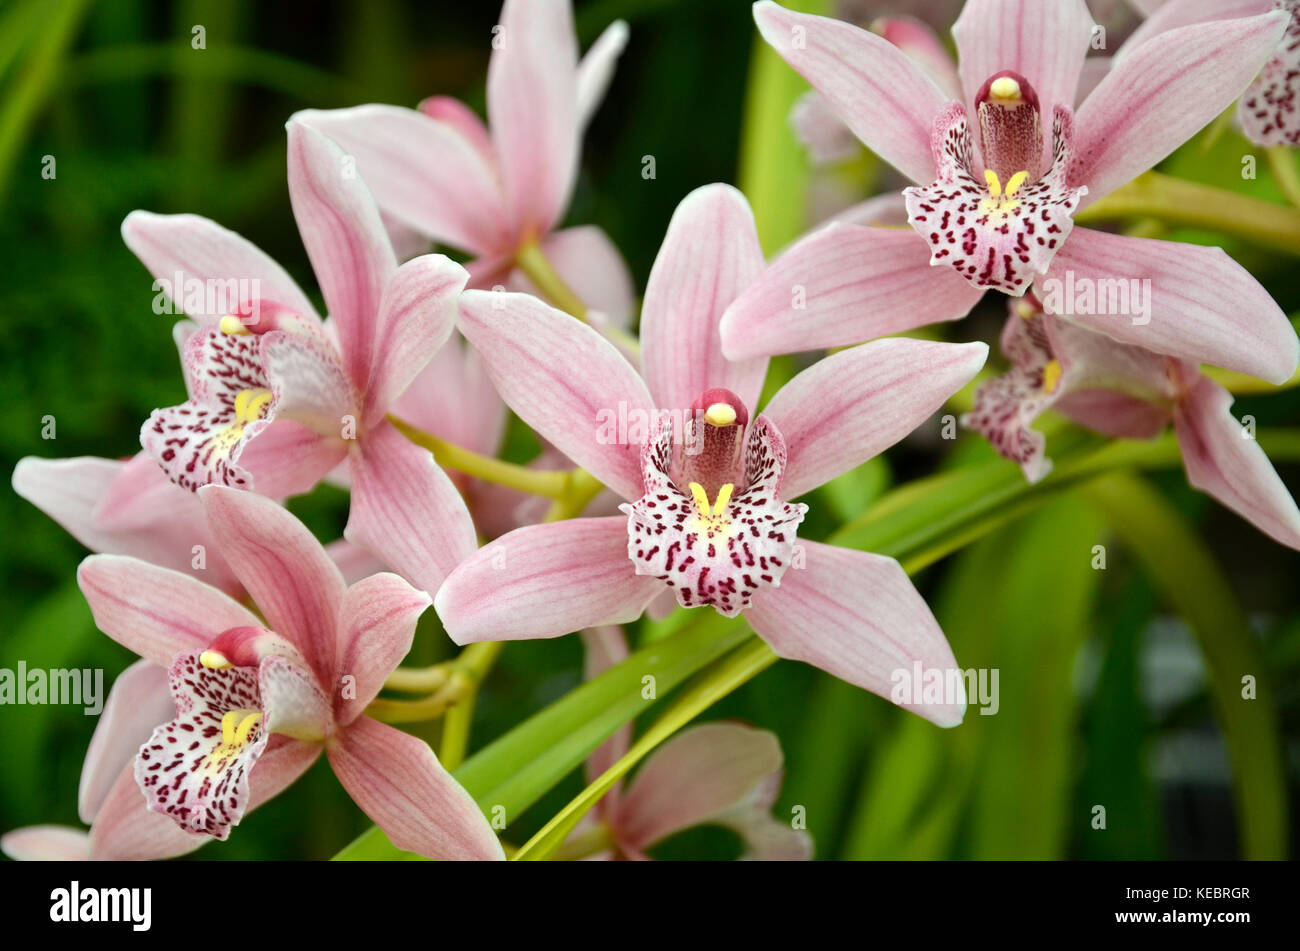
x: 724, y: 774
x: 256, y: 706
x: 1269, y: 111
x: 1127, y: 392
x: 492, y: 190
x: 130, y: 507
x: 706, y: 515
x: 305, y: 396
x: 993, y: 207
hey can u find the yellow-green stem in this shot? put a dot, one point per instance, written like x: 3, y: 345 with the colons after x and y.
x: 419, y: 679
x: 473, y: 665
x: 1282, y: 160
x: 551, y: 483
x: 537, y: 267
x: 1193, y: 205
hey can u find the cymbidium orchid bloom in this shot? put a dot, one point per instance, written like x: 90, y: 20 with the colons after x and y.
x: 707, y: 514
x: 999, y: 175
x: 1128, y: 392
x: 305, y: 394
x: 255, y: 705
x: 722, y: 774
x: 494, y: 190
x: 1269, y: 111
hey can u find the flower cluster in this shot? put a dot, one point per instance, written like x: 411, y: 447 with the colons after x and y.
x: 672, y: 482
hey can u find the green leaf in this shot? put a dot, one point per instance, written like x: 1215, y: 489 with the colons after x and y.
x: 1186, y: 574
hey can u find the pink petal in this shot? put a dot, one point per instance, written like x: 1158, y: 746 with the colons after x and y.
x: 137, y: 703
x: 398, y: 782
x: 416, y: 316
x: 597, y: 69
x: 883, y: 96
x: 592, y: 267
x: 376, y: 623
x: 454, y: 399
x: 1204, y: 306
x: 916, y: 38
x: 406, y: 511
x: 821, y: 131
x: 288, y: 458
x: 544, y: 581
x: 1162, y: 93
x: 46, y: 844
x: 701, y: 772
x: 156, y: 612
x: 199, y: 251
x: 564, y: 380
x: 129, y: 508
x: 857, y: 403
x: 1169, y: 16
x: 462, y: 119
x: 841, y: 285
x: 354, y: 561
x: 427, y: 172
x: 294, y: 584
x: 709, y: 256
x: 1225, y: 461
x: 532, y: 99
x: 1044, y: 42
x: 345, y: 240
x: 888, y: 210
x: 856, y: 616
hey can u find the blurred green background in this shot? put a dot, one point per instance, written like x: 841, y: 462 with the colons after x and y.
x: 1104, y: 689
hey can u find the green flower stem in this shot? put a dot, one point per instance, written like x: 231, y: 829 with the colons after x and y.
x: 553, y: 484
x: 1282, y: 161
x: 598, y: 839
x: 737, y: 668
x: 533, y: 262
x: 419, y: 679
x: 473, y: 666
x: 584, y: 488
x: 1193, y: 205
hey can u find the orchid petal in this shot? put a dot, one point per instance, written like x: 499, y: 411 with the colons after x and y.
x: 416, y: 316
x: 1044, y: 42
x: 406, y: 510
x: 427, y: 172
x: 1223, y: 459
x: 841, y: 285
x: 564, y: 380
x: 596, y: 69
x: 884, y: 97
x: 919, y: 41
x: 345, y: 240
x: 283, y: 567
x: 857, y: 403
x: 288, y: 458
x: 709, y: 256
x: 137, y: 703
x: 46, y: 843
x: 701, y: 772
x: 1201, y: 305
x: 126, y: 830
x: 856, y: 616
x: 354, y: 561
x: 156, y: 612
x: 199, y: 251
x: 532, y: 100
x: 454, y: 399
x: 398, y: 782
x: 1162, y: 93
x: 544, y: 581
x: 376, y: 625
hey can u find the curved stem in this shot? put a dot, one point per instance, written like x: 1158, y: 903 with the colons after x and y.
x: 1193, y: 205
x: 419, y: 679
x: 554, y: 484
x: 533, y: 262
x: 472, y: 665
x: 1282, y: 161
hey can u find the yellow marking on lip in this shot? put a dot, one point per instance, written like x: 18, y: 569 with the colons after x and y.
x: 1051, y: 376
x: 713, y: 518
x: 1000, y: 201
